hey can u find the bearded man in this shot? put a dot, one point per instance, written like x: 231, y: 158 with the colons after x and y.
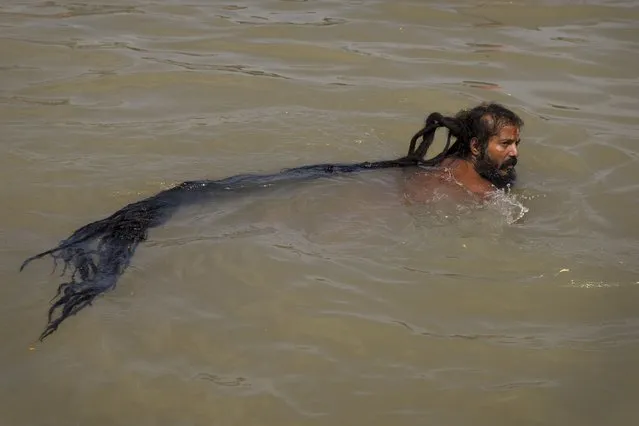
x: 481, y: 161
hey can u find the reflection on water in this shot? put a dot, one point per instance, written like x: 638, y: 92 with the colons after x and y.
x: 329, y: 302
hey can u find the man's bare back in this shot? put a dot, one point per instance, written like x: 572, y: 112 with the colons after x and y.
x: 454, y: 179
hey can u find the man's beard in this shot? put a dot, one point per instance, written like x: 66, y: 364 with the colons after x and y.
x: 502, y: 177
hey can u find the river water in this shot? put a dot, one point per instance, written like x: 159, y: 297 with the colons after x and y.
x: 330, y: 302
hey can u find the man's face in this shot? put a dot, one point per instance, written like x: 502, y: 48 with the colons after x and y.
x: 497, y: 162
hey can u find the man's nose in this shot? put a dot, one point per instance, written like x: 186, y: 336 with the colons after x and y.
x: 514, y: 152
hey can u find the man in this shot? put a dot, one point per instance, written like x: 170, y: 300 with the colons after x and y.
x: 482, y: 159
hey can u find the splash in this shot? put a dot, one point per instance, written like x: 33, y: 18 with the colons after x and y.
x: 508, y: 206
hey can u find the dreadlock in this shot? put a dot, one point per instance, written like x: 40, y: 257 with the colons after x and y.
x: 97, y: 254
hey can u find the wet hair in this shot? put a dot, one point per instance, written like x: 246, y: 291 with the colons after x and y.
x: 96, y: 255
x: 482, y: 122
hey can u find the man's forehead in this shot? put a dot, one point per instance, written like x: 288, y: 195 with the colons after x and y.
x: 509, y: 131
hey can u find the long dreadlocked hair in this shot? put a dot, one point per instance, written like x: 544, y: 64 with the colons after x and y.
x: 481, y: 122
x: 97, y: 254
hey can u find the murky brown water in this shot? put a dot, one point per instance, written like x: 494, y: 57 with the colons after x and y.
x: 329, y: 303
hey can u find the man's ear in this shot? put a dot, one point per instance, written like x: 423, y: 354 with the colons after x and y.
x: 475, y: 147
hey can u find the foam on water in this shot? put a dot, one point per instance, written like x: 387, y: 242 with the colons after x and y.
x: 509, y: 206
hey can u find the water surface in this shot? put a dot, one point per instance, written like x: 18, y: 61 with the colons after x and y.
x: 331, y: 302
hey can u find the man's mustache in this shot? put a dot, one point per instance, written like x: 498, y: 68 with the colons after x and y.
x: 511, y: 162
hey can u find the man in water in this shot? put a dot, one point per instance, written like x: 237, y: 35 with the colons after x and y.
x: 481, y: 161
